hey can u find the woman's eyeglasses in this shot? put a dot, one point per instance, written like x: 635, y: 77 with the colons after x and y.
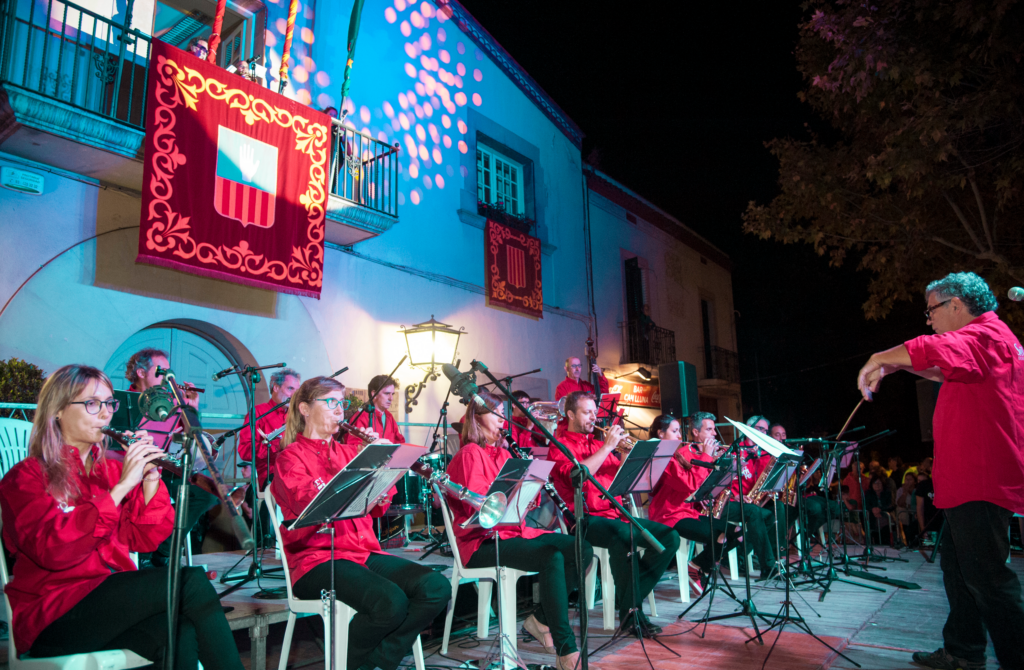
x: 93, y: 406
x: 334, y: 403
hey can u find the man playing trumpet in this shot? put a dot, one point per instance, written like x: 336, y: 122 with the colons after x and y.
x: 603, y: 527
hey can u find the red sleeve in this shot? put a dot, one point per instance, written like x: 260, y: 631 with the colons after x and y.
x: 144, y: 526
x: 956, y: 353
x: 295, y: 485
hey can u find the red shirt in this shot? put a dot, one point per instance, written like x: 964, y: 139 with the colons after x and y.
x: 267, y: 424
x: 389, y: 433
x: 302, y: 469
x: 668, y: 504
x: 583, y: 446
x: 476, y: 468
x: 63, y: 552
x: 570, y: 385
x: 753, y: 465
x: 853, y: 488
x: 979, y: 415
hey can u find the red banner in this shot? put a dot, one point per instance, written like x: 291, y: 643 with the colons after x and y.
x: 234, y: 180
x: 637, y: 395
x: 512, y: 270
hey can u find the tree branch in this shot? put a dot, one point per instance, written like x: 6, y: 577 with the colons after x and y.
x: 967, y: 225
x: 957, y: 247
x: 981, y: 211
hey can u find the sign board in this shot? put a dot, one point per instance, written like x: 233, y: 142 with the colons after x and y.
x: 634, y: 394
x: 22, y: 181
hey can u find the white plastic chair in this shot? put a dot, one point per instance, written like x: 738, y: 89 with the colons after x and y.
x: 734, y: 563
x: 14, y: 435
x: 607, y: 588
x: 298, y: 607
x: 683, y: 557
x: 483, y: 578
x: 109, y: 659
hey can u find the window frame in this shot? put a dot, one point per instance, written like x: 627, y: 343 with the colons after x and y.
x: 518, y: 182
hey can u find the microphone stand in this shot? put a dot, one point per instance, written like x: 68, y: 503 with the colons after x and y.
x: 579, y: 475
x: 508, y: 378
x: 442, y: 422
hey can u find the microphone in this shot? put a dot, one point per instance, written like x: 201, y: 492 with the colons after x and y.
x: 702, y: 464
x: 156, y: 403
x: 463, y: 383
x: 1016, y: 294
x: 224, y: 373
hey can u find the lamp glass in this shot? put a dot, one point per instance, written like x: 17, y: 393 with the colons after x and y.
x: 421, y: 347
x: 446, y: 343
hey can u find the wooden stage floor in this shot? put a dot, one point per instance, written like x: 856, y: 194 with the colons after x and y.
x: 879, y: 630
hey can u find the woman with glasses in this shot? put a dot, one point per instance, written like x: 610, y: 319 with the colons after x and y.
x: 551, y: 555
x: 394, y: 599
x: 70, y: 518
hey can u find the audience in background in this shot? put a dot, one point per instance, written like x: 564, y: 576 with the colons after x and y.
x: 878, y: 501
x: 906, y: 506
x: 929, y: 520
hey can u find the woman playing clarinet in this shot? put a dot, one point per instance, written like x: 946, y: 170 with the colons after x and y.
x: 680, y: 480
x: 70, y: 518
x: 551, y: 555
x: 394, y: 599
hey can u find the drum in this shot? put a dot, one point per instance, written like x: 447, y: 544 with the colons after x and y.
x: 412, y: 492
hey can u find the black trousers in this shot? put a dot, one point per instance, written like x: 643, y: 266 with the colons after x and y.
x: 779, y: 523
x: 128, y: 610
x: 394, y: 600
x: 755, y: 532
x: 613, y: 535
x: 700, y: 530
x: 553, y: 557
x: 817, y: 514
x: 199, y: 502
x: 984, y: 593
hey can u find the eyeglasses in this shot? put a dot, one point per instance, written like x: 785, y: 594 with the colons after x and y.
x: 928, y: 311
x: 576, y: 366
x: 334, y: 403
x: 93, y: 406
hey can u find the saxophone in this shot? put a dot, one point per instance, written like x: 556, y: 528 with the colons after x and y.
x: 718, y: 506
x: 756, y: 496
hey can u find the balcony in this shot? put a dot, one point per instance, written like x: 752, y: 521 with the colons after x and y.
x: 646, y: 344
x: 73, y: 93
x: 721, y: 372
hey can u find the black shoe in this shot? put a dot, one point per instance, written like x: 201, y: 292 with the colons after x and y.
x: 649, y: 626
x: 940, y: 659
x: 638, y: 632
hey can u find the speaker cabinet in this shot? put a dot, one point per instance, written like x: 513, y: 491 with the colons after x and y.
x: 678, y: 389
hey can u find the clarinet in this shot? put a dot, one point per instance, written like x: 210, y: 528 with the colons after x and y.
x: 567, y: 516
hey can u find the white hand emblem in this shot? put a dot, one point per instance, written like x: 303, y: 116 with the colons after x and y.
x: 248, y: 161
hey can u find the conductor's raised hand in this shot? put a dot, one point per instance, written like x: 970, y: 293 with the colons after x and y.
x: 869, y: 378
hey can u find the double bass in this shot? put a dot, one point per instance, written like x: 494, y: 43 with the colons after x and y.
x: 595, y: 377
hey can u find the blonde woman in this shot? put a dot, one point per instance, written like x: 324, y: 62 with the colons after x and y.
x: 551, y: 555
x: 394, y: 599
x: 70, y: 518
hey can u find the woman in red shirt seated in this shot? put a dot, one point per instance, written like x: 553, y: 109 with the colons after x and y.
x: 681, y: 478
x: 394, y: 599
x: 551, y: 555
x: 70, y: 518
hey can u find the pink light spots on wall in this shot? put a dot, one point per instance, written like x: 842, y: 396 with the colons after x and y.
x: 478, y: 75
x: 411, y: 50
x: 420, y: 88
x: 477, y: 99
x: 441, y: 35
x: 423, y: 153
x: 479, y: 54
x: 445, y: 58
x: 414, y: 197
x: 406, y: 28
x: 421, y: 133
x: 401, y: 198
x: 410, y: 69
x: 461, y: 69
x: 462, y: 126
x: 410, y: 145
x: 403, y: 121
x: 269, y: 38
x: 439, y: 180
x: 460, y: 98
x: 300, y: 75
x: 400, y: 5
x: 446, y: 121
x: 281, y: 25
x: 425, y: 41
x: 414, y: 171
x: 434, y: 135
x: 308, y: 63
x: 426, y: 8
x: 323, y: 79
x: 403, y: 100
x: 303, y: 96
x: 417, y: 20
x: 463, y: 171
x: 390, y: 15
x: 436, y: 155
x: 364, y: 114
x: 307, y: 35
x: 389, y: 111
x: 325, y: 101
x: 382, y: 136
x: 461, y: 48
x: 447, y: 142
x: 428, y: 109
x: 463, y: 147
x: 427, y: 183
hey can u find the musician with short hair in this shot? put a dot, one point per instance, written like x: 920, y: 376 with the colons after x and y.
x: 680, y: 480
x: 572, y: 382
x: 551, y: 555
x: 70, y: 518
x: 283, y: 383
x: 604, y: 529
x: 379, y: 418
x: 143, y: 373
x: 979, y: 462
x: 394, y: 599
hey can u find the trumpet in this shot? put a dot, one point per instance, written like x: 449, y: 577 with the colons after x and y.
x: 490, y: 508
x: 625, y: 445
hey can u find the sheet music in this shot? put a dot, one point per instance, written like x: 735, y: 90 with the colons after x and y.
x: 810, y: 471
x: 766, y: 442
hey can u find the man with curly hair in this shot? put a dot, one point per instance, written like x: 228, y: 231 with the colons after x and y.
x: 979, y: 463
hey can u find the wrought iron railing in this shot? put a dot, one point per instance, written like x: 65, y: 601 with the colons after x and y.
x: 647, y: 344
x: 68, y: 53
x: 721, y: 363
x: 364, y: 170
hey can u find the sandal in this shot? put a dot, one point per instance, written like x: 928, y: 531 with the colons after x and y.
x: 531, y: 630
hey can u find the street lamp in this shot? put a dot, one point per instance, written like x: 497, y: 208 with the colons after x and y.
x: 430, y: 345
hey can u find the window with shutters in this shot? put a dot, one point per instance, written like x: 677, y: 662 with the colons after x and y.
x: 500, y: 188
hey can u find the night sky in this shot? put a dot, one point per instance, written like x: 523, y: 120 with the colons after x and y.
x: 677, y: 102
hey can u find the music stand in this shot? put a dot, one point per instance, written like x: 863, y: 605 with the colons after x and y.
x: 783, y: 470
x: 353, y: 492
x: 639, y: 472
x: 608, y: 406
x: 520, y: 480
x: 128, y: 415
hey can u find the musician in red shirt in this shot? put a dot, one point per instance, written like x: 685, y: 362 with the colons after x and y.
x: 979, y: 463
x: 70, y: 518
x: 378, y: 418
x: 141, y: 371
x: 573, y: 383
x: 604, y: 529
x: 551, y: 555
x: 394, y: 599
x: 679, y: 481
x: 758, y: 519
x: 283, y: 383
